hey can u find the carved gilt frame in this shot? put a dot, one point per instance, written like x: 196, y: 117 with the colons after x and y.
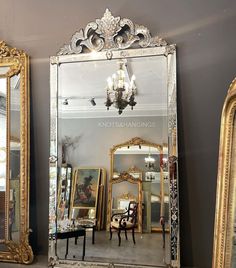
x: 225, y: 197
x: 125, y: 177
x: 18, y: 63
x: 111, y: 38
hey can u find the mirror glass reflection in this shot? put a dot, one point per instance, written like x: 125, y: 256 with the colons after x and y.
x: 91, y: 121
x: 9, y: 190
x: 3, y: 159
x: 15, y: 155
x: 149, y: 164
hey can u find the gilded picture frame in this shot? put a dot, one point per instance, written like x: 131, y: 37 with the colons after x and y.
x: 85, y: 189
x: 226, y: 183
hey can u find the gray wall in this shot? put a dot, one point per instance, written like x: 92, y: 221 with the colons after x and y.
x: 204, y: 32
x: 98, y: 135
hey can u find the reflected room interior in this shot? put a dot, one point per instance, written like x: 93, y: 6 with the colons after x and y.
x: 98, y: 145
x: 13, y: 204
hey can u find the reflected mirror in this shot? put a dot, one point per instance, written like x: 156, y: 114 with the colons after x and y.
x: 14, y: 156
x: 149, y: 164
x: 113, y: 114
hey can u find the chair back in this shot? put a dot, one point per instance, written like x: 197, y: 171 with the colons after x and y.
x: 133, y: 212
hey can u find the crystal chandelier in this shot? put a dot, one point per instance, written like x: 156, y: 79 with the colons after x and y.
x: 149, y: 161
x: 120, y: 93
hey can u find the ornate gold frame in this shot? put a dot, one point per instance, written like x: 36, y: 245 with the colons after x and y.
x: 18, y: 62
x: 225, y: 198
x: 125, y: 176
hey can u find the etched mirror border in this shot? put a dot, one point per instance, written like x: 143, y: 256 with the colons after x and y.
x: 114, y: 38
x: 18, y: 62
x: 222, y: 249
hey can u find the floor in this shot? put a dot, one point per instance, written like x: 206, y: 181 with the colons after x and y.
x: 39, y: 262
x: 147, y: 250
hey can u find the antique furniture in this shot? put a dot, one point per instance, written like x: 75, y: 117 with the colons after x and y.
x: 125, y: 221
x: 81, y: 91
x: 72, y: 233
x: 64, y: 191
x: 118, y: 198
x: 224, y: 249
x: 14, y: 155
x: 88, y: 224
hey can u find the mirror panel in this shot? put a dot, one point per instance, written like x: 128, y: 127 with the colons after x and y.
x: 87, y: 119
x: 3, y: 158
x: 14, y: 156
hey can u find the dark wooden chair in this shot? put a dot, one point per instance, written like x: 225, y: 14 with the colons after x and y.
x: 125, y: 221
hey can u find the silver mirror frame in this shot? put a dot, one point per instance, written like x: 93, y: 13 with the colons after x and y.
x: 100, y: 41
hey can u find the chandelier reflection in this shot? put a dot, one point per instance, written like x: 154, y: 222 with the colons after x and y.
x: 149, y: 161
x: 120, y: 89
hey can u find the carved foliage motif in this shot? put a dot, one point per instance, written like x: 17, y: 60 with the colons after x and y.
x: 6, y: 51
x: 21, y: 252
x: 136, y: 141
x: 110, y: 33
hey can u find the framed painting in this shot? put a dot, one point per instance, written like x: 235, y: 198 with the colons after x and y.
x: 85, y: 188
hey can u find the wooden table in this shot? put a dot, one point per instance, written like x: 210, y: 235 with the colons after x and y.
x: 72, y: 233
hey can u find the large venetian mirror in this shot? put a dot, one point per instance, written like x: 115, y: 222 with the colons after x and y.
x: 224, y: 250
x: 14, y: 156
x: 113, y: 114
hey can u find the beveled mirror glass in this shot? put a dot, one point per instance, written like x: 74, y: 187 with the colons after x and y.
x: 224, y: 250
x: 114, y: 82
x: 14, y: 156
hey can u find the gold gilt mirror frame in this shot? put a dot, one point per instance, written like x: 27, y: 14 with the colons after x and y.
x: 224, y: 234
x: 128, y: 175
x: 16, y: 62
x: 125, y: 177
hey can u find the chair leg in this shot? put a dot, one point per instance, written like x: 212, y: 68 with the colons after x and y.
x: 110, y: 233
x: 126, y: 234
x: 133, y: 235
x: 119, y: 236
x: 163, y: 234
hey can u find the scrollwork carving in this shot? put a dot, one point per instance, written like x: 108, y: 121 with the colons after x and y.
x: 7, y: 51
x: 110, y: 33
x: 136, y: 141
x: 21, y: 252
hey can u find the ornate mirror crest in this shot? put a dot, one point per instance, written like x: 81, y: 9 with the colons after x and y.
x: 224, y: 235
x: 110, y: 33
x: 14, y: 62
